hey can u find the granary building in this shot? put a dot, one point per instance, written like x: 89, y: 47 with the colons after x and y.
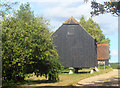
x: 75, y: 46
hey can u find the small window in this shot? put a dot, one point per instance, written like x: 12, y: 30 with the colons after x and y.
x: 70, y: 31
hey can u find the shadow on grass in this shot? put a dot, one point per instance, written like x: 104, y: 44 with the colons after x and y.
x: 65, y: 72
x: 28, y: 82
x: 70, y: 87
x: 82, y: 72
x: 39, y: 81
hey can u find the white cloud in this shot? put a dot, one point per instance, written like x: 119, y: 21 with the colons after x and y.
x: 60, y: 1
x: 114, y: 53
x: 108, y: 23
x: 66, y: 10
x: 61, y: 11
x: 65, y: 0
x: 56, y: 1
x: 75, y: 8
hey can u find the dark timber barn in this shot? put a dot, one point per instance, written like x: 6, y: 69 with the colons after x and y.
x: 76, y: 47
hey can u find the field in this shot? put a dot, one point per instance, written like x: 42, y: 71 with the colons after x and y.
x: 65, y: 78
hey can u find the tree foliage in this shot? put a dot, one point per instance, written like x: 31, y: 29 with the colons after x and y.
x: 27, y: 47
x: 108, y: 7
x: 25, y: 13
x: 6, y: 7
x: 94, y: 30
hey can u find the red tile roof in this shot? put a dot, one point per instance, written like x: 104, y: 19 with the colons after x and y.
x: 102, y: 51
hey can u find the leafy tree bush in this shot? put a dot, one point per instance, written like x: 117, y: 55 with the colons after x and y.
x: 27, y: 47
x: 94, y: 30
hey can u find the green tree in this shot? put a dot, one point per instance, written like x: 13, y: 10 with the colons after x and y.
x: 25, y: 13
x: 94, y: 30
x: 27, y: 47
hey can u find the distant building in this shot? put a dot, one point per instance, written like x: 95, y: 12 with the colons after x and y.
x: 103, y: 54
x: 75, y: 46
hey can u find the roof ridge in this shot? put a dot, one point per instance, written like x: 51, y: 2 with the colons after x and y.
x: 71, y: 20
x: 102, y: 44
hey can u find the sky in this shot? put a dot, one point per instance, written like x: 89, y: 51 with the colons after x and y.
x: 58, y: 11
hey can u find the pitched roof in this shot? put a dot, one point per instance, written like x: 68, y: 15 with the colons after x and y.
x: 102, y: 51
x: 71, y: 20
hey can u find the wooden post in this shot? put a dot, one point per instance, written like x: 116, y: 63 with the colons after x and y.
x: 76, y: 70
x: 104, y: 65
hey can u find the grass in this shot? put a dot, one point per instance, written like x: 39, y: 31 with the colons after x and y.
x: 65, y: 78
x: 114, y: 65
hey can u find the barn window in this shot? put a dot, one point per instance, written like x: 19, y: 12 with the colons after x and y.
x: 70, y: 31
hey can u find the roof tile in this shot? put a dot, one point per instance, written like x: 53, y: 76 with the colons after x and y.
x: 102, y: 51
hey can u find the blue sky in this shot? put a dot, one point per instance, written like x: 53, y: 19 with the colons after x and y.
x: 58, y: 11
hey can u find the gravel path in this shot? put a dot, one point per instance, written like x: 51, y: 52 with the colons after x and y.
x: 107, y: 79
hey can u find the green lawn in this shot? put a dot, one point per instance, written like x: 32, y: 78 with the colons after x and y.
x: 65, y: 78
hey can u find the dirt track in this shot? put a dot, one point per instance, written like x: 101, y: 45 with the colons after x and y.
x: 107, y: 79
